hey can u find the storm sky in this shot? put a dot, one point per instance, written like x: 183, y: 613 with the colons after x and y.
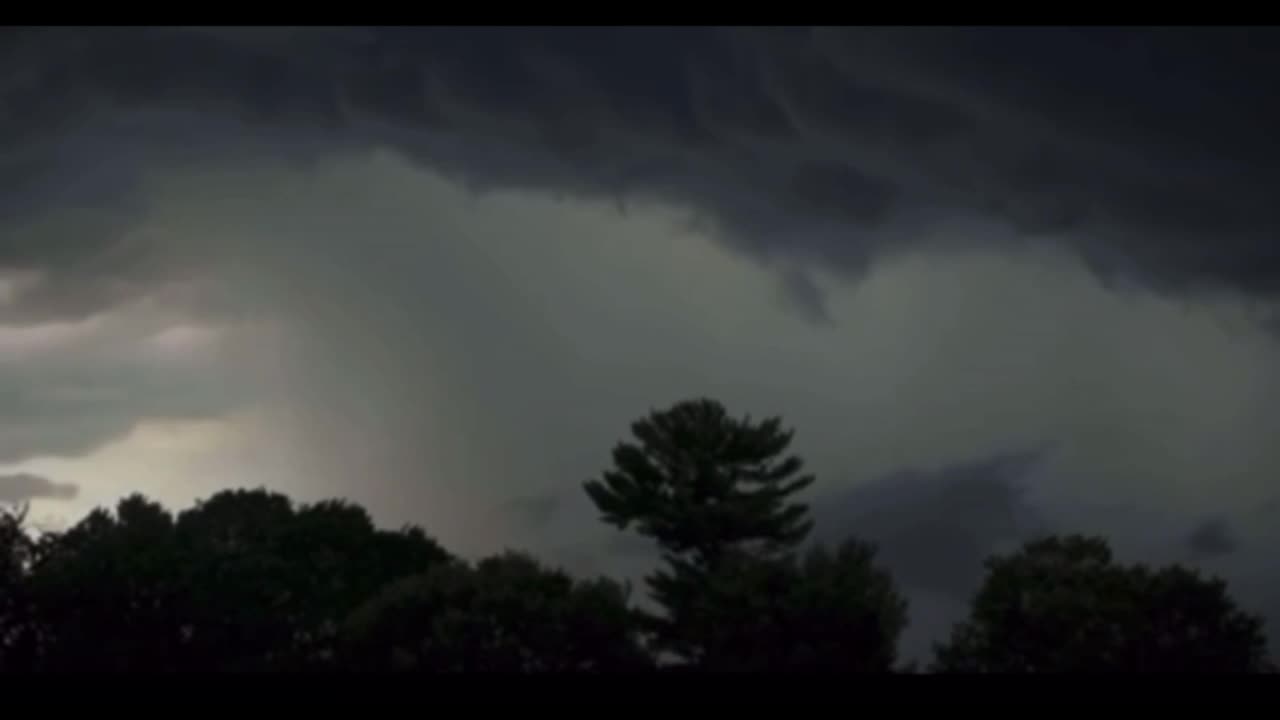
x: 1001, y: 281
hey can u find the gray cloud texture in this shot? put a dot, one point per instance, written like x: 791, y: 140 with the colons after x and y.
x: 67, y: 388
x: 21, y: 487
x: 1149, y: 152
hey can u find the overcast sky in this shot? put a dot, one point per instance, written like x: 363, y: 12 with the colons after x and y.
x: 1001, y: 281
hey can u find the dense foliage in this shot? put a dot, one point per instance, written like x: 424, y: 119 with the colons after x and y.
x: 247, y: 580
x: 1064, y: 605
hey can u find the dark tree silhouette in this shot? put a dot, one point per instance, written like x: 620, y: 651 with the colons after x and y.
x: 827, y: 611
x: 247, y: 580
x: 286, y: 577
x: 715, y: 493
x: 701, y: 483
x: 17, y: 548
x: 242, y: 581
x: 110, y: 592
x: 1064, y: 605
x: 506, y: 614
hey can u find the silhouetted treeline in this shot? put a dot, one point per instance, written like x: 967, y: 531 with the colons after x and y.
x: 248, y: 581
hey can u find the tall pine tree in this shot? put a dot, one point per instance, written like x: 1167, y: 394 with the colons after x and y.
x: 710, y: 489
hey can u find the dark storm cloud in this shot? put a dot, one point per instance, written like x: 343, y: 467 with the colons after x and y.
x: 20, y: 487
x: 1151, y: 152
x: 1212, y: 538
x: 935, y: 527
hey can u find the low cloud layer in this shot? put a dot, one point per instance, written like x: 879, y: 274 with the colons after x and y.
x: 24, y: 487
x: 68, y: 388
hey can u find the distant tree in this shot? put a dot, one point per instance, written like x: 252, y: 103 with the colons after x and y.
x: 286, y: 577
x: 17, y: 630
x: 109, y: 591
x: 506, y: 614
x: 1064, y: 605
x: 706, y: 487
x: 826, y: 611
x: 241, y: 581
